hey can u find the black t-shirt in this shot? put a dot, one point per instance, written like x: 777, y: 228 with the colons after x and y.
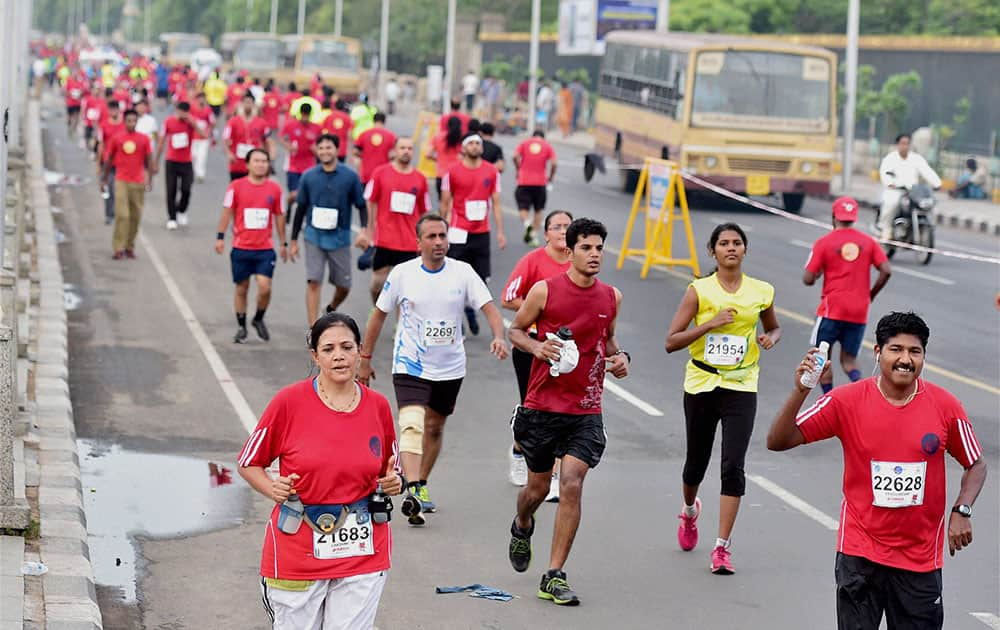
x: 492, y: 152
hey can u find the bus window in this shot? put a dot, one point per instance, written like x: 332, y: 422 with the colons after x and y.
x: 258, y: 54
x: 329, y: 55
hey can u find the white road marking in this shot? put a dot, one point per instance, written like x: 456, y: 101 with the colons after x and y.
x: 621, y: 392
x: 795, y: 502
x: 966, y: 248
x: 991, y: 620
x: 239, y: 403
x: 895, y: 268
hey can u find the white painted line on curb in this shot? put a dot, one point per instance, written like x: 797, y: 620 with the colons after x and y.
x: 795, y: 502
x: 620, y: 391
x: 246, y: 415
x: 895, y: 268
x: 991, y: 620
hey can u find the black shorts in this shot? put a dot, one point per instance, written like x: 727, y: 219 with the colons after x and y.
x: 162, y: 93
x: 252, y: 262
x: 438, y: 396
x: 72, y: 109
x: 216, y: 110
x: 476, y: 252
x: 867, y: 590
x: 528, y: 197
x: 543, y: 436
x: 385, y: 257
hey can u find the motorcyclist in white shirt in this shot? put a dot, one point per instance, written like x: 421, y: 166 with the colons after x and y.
x: 901, y: 169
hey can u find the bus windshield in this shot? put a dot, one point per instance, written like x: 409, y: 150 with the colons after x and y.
x: 259, y: 54
x: 329, y: 55
x: 185, y: 45
x: 761, y: 91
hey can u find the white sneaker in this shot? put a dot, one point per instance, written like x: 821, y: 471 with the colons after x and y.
x: 553, y: 495
x: 182, y: 219
x: 171, y: 225
x: 518, y: 474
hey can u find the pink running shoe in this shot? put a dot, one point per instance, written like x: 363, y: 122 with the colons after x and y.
x: 721, y: 564
x: 687, y: 531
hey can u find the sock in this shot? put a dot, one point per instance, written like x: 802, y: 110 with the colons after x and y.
x: 423, y: 482
x: 854, y: 375
x: 690, y: 511
x: 241, y: 319
x: 259, y: 315
x: 527, y: 223
x: 826, y: 387
x: 413, y: 485
x: 554, y: 572
x: 722, y: 542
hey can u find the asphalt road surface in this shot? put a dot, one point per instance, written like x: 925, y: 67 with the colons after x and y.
x: 154, y: 373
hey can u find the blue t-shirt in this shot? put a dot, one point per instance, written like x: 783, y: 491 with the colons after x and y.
x: 338, y: 190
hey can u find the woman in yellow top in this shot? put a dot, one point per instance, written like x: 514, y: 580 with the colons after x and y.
x: 721, y: 379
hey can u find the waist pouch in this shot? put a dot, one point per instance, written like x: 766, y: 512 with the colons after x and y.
x: 324, y: 519
x: 738, y: 375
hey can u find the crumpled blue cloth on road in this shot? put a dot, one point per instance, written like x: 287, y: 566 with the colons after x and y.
x: 478, y: 590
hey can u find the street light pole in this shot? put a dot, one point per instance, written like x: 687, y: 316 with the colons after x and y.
x: 663, y: 16
x: 533, y: 63
x: 246, y: 26
x: 147, y: 22
x: 274, y: 17
x: 851, y: 78
x: 302, y: 17
x: 449, y: 54
x: 338, y: 17
x: 383, y: 53
x: 104, y: 20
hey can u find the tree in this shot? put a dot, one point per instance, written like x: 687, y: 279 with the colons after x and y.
x: 895, y: 97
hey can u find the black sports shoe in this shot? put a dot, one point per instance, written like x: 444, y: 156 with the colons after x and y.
x: 261, y: 329
x: 470, y: 314
x: 241, y: 334
x: 520, y: 546
x: 555, y: 588
x: 329, y: 308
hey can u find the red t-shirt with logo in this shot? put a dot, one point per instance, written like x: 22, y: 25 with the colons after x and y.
x: 472, y: 191
x: 128, y: 152
x: 178, y: 134
x: 465, y: 118
x: 252, y: 134
x: 375, y: 145
x: 271, y: 109
x: 534, y: 267
x: 95, y: 110
x: 879, y: 440
x: 535, y: 155
x: 254, y: 207
x: 123, y: 98
x: 401, y: 198
x: 446, y: 156
x: 303, y: 136
x: 204, y: 118
x: 339, y: 457
x: 75, y: 91
x: 339, y: 124
x: 845, y: 258
x: 234, y: 93
x: 288, y: 99
x: 109, y: 130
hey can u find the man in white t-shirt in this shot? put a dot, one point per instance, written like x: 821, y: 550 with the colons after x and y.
x: 147, y: 125
x: 428, y: 358
x: 470, y: 86
x: 900, y: 170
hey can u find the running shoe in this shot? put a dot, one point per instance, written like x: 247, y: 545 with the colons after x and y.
x: 109, y: 220
x: 529, y: 232
x: 261, y: 329
x: 687, y: 531
x: 411, y: 509
x: 171, y: 225
x: 426, y: 505
x: 721, y: 563
x: 417, y: 519
x: 241, y: 334
x: 118, y: 255
x: 534, y: 242
x: 130, y: 253
x: 182, y: 219
x: 470, y: 314
x: 554, y: 587
x: 518, y: 473
x: 553, y: 495
x: 519, y: 551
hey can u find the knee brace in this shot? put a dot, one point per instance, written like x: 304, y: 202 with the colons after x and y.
x: 411, y: 429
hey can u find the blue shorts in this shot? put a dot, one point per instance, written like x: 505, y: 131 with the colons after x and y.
x: 292, y: 180
x: 848, y: 334
x: 252, y: 262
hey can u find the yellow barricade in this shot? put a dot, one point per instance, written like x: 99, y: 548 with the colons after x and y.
x: 423, y: 133
x: 658, y: 195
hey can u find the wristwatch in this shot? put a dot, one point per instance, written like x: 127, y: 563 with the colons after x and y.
x: 964, y: 510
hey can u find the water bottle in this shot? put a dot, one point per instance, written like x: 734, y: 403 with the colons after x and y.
x: 810, y: 379
x: 380, y: 506
x: 564, y: 334
x: 290, y: 514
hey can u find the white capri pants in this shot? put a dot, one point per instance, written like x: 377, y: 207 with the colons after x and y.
x: 199, y: 154
x: 349, y: 603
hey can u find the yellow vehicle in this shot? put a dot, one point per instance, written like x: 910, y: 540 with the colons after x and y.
x: 751, y: 115
x: 262, y: 55
x: 177, y: 48
x: 336, y: 59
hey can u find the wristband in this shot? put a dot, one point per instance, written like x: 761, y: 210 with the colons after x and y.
x: 220, y: 236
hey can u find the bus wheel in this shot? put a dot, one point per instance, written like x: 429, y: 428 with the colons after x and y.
x: 793, y: 202
x: 629, y: 179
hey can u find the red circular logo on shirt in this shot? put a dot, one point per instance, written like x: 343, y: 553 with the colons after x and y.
x: 850, y: 252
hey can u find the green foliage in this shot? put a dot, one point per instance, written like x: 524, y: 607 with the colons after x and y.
x: 895, y: 97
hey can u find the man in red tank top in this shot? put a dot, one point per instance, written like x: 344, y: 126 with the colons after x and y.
x: 561, y: 415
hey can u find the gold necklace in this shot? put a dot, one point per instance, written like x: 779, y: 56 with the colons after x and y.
x: 878, y: 383
x: 329, y: 403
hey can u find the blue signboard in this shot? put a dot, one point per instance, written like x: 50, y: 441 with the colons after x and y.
x: 625, y: 15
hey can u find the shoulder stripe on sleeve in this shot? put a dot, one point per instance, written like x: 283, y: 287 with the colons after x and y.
x: 969, y: 441
x: 512, y: 288
x: 812, y: 411
x: 253, y: 445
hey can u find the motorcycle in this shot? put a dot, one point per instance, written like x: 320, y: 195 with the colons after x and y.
x: 915, y: 222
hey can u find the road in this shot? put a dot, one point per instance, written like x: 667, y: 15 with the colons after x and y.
x: 151, y: 356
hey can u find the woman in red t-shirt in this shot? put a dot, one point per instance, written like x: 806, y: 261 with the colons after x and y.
x: 446, y: 149
x: 326, y: 554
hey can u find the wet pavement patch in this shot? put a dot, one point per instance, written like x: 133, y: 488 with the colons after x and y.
x: 128, y: 494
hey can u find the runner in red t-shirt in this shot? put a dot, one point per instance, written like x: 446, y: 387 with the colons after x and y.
x: 335, y: 440
x: 844, y: 258
x: 204, y: 120
x: 298, y: 137
x: 338, y: 123
x: 129, y: 158
x: 464, y: 118
x: 253, y: 203
x: 243, y: 132
x: 270, y: 109
x: 176, y: 136
x: 446, y: 151
x: 397, y: 196
x: 561, y: 415
x: 95, y: 110
x: 75, y: 89
x: 373, y: 147
x: 234, y: 95
x: 535, y: 266
x: 894, y: 430
x: 535, y: 161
